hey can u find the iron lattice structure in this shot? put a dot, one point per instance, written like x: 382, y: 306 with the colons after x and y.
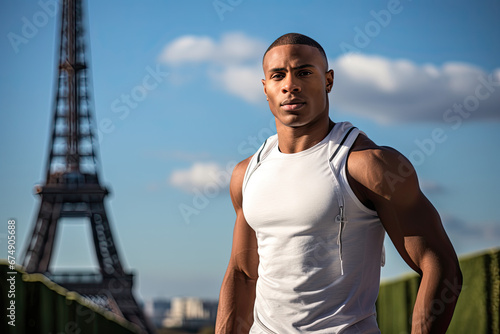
x: 72, y: 187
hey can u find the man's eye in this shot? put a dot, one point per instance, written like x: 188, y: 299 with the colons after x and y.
x: 277, y: 76
x: 304, y: 73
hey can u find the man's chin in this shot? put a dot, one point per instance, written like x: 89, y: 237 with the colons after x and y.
x: 297, y: 122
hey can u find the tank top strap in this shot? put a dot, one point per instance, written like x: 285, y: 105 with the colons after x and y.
x: 340, y: 143
x: 258, y: 157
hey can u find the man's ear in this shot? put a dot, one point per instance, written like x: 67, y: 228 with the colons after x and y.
x: 329, y: 80
x: 264, y: 84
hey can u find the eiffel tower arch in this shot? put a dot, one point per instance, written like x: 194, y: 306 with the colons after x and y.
x: 72, y: 186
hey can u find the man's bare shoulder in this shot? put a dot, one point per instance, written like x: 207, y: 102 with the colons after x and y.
x: 380, y: 170
x: 365, y: 150
x: 235, y: 187
x: 240, y: 169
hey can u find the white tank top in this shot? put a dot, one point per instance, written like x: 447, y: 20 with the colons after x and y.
x: 320, y: 248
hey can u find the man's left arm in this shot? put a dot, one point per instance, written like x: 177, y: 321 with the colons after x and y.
x: 389, y: 182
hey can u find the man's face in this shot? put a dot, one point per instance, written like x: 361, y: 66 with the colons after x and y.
x: 296, y: 84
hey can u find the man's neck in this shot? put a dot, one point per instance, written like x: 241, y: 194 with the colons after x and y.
x: 297, y: 139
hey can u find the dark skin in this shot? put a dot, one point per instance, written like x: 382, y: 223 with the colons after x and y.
x: 296, y: 85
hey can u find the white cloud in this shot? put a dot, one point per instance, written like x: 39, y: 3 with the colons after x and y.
x: 243, y: 81
x: 233, y: 63
x: 201, y: 177
x: 385, y: 90
x: 238, y: 47
x: 233, y: 48
x: 189, y: 49
x: 391, y: 91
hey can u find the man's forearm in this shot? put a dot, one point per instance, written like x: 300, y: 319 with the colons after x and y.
x: 236, y: 300
x: 436, y: 300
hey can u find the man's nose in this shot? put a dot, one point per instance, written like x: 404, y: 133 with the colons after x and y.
x: 290, y: 85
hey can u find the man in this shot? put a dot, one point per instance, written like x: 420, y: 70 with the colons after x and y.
x: 312, y: 207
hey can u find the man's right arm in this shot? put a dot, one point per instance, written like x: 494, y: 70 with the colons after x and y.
x: 237, y: 295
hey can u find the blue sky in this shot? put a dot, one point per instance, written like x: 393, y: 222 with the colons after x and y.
x: 178, y: 101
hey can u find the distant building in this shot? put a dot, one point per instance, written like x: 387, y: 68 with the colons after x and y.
x: 190, y: 312
x: 157, y: 310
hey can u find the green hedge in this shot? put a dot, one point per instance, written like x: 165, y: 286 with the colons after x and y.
x: 477, y: 310
x: 42, y: 306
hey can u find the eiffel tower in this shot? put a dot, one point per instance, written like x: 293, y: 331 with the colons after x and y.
x: 72, y: 187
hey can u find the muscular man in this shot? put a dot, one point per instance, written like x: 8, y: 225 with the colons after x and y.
x: 312, y: 207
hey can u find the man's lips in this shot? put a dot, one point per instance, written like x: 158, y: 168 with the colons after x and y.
x: 292, y: 105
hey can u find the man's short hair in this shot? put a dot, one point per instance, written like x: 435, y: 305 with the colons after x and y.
x: 295, y: 38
